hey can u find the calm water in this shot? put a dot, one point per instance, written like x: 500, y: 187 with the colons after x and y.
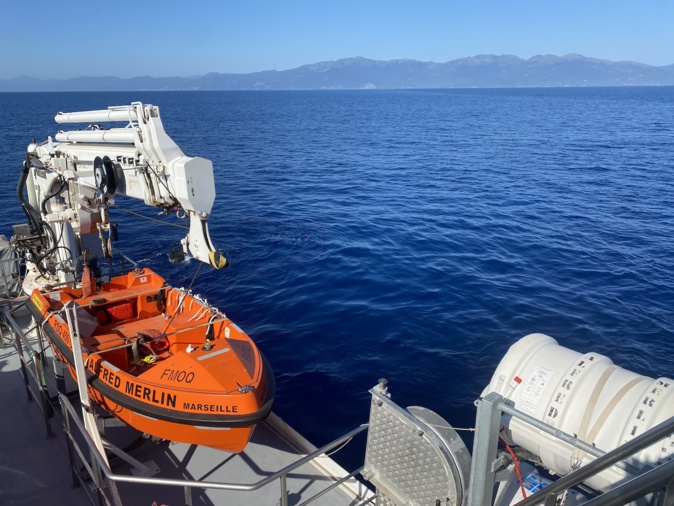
x: 414, y: 235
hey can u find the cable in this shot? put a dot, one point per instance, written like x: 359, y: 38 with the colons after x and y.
x: 339, y: 447
x: 516, y: 461
x: 170, y: 193
x: 55, y: 242
x: 468, y: 429
x: 32, y: 214
x: 58, y: 191
x: 175, y: 312
x: 149, y: 218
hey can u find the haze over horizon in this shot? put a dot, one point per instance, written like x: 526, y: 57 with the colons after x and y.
x: 129, y: 39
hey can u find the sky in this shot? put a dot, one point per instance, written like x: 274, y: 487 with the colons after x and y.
x: 128, y: 38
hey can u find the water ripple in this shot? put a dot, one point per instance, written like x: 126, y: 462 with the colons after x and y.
x: 415, y: 235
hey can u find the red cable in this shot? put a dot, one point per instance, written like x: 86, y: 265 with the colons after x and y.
x: 516, y: 461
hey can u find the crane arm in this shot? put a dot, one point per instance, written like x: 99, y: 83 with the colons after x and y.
x: 137, y: 159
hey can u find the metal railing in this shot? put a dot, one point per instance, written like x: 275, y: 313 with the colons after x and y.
x: 32, y: 365
x: 100, y: 471
x: 10, y: 276
x: 485, y: 461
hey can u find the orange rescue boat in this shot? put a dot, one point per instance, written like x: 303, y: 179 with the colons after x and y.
x: 161, y: 359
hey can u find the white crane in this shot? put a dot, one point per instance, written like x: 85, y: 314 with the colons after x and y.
x: 71, y: 181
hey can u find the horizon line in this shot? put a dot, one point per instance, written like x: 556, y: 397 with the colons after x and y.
x: 567, y: 56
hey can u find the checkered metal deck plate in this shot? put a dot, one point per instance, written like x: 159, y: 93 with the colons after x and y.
x: 408, y: 461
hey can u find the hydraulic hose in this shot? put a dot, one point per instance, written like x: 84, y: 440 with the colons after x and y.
x: 32, y: 214
x: 37, y: 224
x: 43, y: 207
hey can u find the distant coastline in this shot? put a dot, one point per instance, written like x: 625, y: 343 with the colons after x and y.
x: 482, y: 71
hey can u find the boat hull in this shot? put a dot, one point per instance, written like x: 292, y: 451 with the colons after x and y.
x: 186, y: 374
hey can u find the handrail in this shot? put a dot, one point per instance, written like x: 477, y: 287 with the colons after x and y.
x: 17, y: 329
x: 625, y: 493
x: 567, y: 438
x: 486, y: 461
x: 37, y: 359
x: 17, y: 261
x: 332, y: 487
x: 640, y: 442
x: 281, y: 474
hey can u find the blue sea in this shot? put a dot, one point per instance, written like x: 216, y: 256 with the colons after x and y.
x: 413, y: 234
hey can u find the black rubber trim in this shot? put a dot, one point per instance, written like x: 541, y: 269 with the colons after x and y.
x: 207, y: 420
x: 165, y: 414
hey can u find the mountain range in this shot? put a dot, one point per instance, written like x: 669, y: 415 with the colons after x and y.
x: 482, y: 71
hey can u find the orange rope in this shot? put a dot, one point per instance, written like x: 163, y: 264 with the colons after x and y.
x: 516, y: 461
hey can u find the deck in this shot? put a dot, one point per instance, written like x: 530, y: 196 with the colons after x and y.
x: 34, y: 468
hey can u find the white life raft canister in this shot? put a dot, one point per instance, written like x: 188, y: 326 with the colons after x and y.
x: 584, y: 395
